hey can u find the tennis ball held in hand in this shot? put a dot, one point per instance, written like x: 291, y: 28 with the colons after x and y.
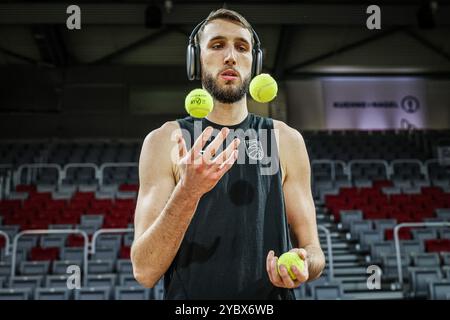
x: 198, y: 103
x: 289, y: 259
x: 263, y: 88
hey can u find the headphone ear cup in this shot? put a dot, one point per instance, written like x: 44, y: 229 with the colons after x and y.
x: 190, y: 66
x: 198, y: 66
x: 259, y: 62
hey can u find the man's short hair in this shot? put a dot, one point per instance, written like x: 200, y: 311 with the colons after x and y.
x: 228, y: 15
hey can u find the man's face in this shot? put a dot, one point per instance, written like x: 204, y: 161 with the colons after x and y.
x: 226, y: 58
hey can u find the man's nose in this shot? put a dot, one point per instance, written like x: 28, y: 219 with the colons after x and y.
x: 230, y: 57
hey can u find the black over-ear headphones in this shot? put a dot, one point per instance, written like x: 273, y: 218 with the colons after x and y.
x: 193, y: 55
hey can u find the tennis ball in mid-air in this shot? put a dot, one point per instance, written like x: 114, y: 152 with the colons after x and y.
x: 289, y: 259
x: 198, y: 103
x: 263, y: 88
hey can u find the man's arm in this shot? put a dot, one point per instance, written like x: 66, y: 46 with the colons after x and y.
x: 163, y: 210
x: 300, y: 207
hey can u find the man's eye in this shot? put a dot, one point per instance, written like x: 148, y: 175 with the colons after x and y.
x: 216, y: 46
x: 242, y: 48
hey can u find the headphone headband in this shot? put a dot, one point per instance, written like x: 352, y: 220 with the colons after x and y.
x: 193, y: 54
x: 194, y: 32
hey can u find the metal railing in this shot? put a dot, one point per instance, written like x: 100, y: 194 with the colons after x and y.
x: 40, y: 232
x: 397, y: 241
x: 330, y: 251
x: 366, y: 161
x: 324, y: 161
x: 106, y: 231
x: 114, y: 165
x: 18, y: 173
x: 68, y: 166
x: 7, y: 242
x: 411, y: 161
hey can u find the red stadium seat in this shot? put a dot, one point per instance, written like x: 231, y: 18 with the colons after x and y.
x: 25, y: 188
x: 125, y: 252
x: 44, y: 254
x: 437, y: 245
x: 129, y: 187
x: 403, y: 234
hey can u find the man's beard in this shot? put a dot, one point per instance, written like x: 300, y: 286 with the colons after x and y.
x: 228, y: 95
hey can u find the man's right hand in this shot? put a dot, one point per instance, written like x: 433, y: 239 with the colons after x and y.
x: 199, y: 173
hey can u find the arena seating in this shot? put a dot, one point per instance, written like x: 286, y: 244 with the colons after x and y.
x: 364, y: 184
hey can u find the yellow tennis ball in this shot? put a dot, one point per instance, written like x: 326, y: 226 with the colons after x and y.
x: 263, y: 88
x: 289, y: 259
x: 198, y: 103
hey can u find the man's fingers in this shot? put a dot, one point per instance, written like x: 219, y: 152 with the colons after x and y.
x: 286, y: 278
x: 225, y: 154
x: 301, y: 252
x: 200, y: 143
x: 181, y: 147
x: 224, y: 167
x: 268, y: 262
x: 212, y: 148
x: 276, y: 279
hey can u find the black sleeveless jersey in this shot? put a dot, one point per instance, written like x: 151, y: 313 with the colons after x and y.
x: 236, y: 224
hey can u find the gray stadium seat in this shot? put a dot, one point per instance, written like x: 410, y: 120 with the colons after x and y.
x: 356, y: 227
x: 60, y: 266
x: 327, y: 291
x: 109, y: 240
x: 124, y: 266
x: 158, y: 292
x: 443, y: 213
x: 15, y: 294
x: 56, y: 281
x: 350, y: 215
x: 102, y: 280
x: 445, y: 258
x: 439, y: 290
x: 424, y: 234
x: 383, y: 224
x: 446, y: 271
x: 56, y: 240
x: 52, y: 294
x: 26, y: 281
x: 426, y: 260
x: 421, y: 277
x: 128, y: 280
x: 60, y: 226
x: 30, y: 268
x: 379, y: 249
x: 129, y: 238
x: 93, y: 294
x: 5, y: 268
x: 11, y: 230
x: 100, y: 266
x: 87, y: 187
x: 27, y: 242
x: 95, y: 220
x: 368, y: 237
x: 411, y: 246
x: 133, y: 293
x: 444, y: 233
x: 390, y: 268
x: 105, y: 253
x: 72, y: 253
x: 90, y: 230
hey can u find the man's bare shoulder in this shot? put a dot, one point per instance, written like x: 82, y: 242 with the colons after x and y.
x: 288, y: 135
x: 163, y: 136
